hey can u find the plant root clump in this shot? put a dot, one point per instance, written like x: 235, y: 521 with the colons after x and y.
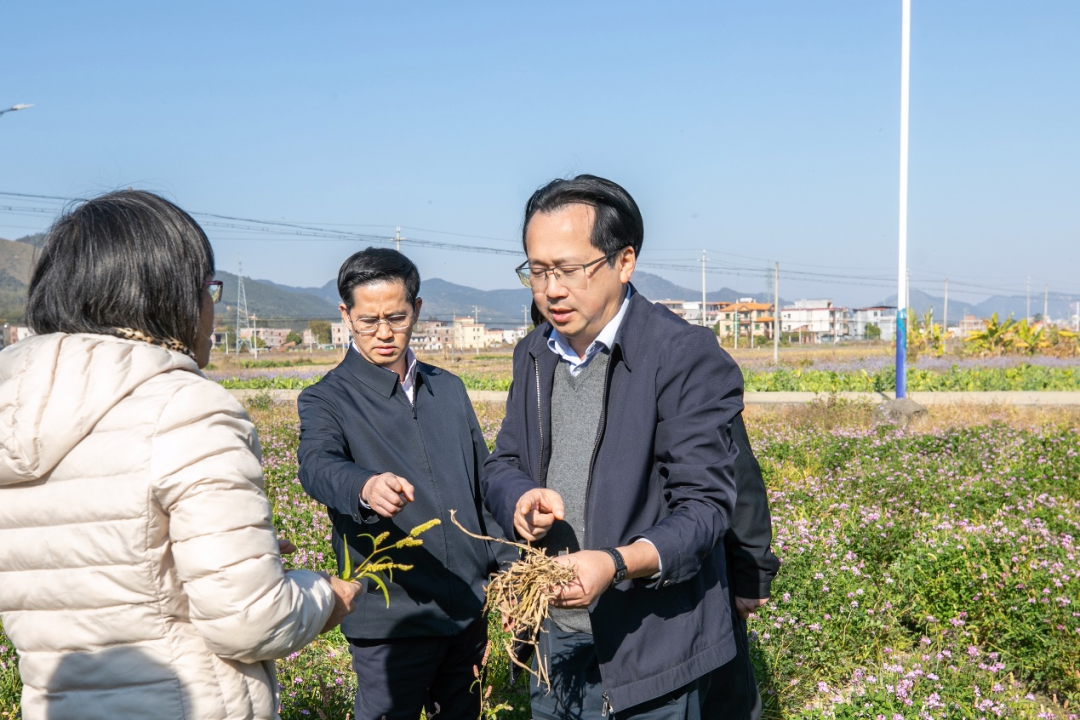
x: 522, y: 595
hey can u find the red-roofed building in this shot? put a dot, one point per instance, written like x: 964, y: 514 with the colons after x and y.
x: 749, y: 317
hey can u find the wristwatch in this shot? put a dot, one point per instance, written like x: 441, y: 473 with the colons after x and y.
x: 620, y: 565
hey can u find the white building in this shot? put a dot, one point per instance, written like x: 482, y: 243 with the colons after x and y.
x: 512, y: 335
x: 425, y: 342
x: 881, y: 316
x: 814, y: 321
x: 690, y: 310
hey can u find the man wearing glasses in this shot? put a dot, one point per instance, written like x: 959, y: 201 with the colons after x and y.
x: 616, y: 454
x: 388, y: 443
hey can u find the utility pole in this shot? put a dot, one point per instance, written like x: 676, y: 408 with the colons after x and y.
x: 226, y: 342
x: 776, y: 314
x: 525, y: 314
x: 1027, y: 313
x: 945, y: 314
x: 703, y: 323
x: 736, y: 307
x: 255, y: 335
x: 751, y: 329
x: 475, y: 315
x: 398, y: 239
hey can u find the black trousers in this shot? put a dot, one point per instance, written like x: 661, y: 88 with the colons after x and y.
x: 398, y: 677
x: 734, y: 692
x: 577, y: 693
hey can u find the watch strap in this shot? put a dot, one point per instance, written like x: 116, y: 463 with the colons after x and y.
x: 620, y: 565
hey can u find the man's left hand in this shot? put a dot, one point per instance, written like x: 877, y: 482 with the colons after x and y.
x: 595, y: 571
x: 745, y: 606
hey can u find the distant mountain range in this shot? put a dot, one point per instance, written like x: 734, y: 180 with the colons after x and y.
x: 279, y: 305
x: 1059, y: 306
x: 444, y: 300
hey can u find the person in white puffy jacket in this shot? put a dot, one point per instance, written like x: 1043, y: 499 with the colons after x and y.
x: 140, y: 574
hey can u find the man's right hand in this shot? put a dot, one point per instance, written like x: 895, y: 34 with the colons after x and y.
x: 387, y: 494
x: 344, y: 600
x: 536, y: 511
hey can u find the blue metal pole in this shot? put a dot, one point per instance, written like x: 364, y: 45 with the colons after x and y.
x: 901, y: 353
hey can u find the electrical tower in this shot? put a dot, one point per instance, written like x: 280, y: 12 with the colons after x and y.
x: 242, y: 320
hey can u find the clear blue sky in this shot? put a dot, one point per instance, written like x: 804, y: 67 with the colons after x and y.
x: 760, y: 129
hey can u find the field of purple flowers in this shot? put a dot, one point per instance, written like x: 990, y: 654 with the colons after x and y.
x: 928, y: 572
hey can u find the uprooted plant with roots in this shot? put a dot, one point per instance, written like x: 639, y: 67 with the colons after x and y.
x: 522, y: 595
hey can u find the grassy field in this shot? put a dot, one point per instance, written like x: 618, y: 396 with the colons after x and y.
x: 928, y: 572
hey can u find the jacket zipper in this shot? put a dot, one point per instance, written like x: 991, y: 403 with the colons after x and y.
x: 606, y: 708
x: 540, y: 425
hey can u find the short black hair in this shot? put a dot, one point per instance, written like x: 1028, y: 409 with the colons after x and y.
x: 372, y: 265
x: 126, y: 259
x: 618, y: 222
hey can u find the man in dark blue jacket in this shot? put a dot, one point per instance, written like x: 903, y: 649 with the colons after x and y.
x: 388, y: 443
x: 751, y: 565
x: 616, y: 454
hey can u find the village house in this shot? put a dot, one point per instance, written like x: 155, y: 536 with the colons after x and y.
x: 969, y: 324
x: 690, y: 310
x: 746, y: 316
x: 814, y: 321
x: 271, y: 337
x: 880, y: 316
x: 468, y: 334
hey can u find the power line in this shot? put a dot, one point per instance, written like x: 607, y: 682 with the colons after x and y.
x: 309, y: 232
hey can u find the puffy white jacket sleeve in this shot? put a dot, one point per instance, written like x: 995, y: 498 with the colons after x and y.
x: 208, y: 480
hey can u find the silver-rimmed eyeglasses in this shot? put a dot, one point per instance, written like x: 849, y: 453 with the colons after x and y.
x: 370, y: 325
x: 571, y: 277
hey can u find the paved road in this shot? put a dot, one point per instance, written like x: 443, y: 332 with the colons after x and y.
x: 1045, y: 399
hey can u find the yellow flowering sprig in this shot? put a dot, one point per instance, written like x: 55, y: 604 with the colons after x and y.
x: 378, y: 563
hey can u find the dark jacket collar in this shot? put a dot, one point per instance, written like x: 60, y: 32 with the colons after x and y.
x: 379, y: 379
x: 626, y: 338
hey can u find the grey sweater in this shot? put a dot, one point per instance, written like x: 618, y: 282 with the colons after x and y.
x: 576, y: 404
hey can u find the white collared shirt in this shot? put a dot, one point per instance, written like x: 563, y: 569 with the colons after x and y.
x: 409, y: 383
x: 561, y: 347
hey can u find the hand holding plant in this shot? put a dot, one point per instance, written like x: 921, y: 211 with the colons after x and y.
x: 378, y: 562
x: 344, y: 601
